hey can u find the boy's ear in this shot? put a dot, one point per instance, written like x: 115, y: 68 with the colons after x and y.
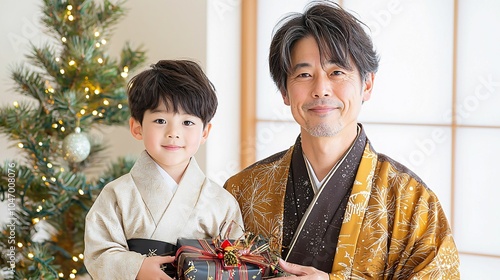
x: 135, y: 128
x: 206, y: 131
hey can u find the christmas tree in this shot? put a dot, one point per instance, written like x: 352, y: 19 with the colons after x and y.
x: 73, y: 87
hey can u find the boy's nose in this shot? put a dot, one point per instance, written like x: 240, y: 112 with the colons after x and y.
x: 173, y: 136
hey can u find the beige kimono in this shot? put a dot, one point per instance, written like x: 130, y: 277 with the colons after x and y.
x: 140, y: 205
x: 392, y: 225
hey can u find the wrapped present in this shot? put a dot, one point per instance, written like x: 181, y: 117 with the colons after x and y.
x: 223, y: 259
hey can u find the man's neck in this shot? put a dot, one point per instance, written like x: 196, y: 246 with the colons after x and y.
x: 324, y: 152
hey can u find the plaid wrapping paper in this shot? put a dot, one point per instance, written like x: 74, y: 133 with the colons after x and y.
x: 199, y: 259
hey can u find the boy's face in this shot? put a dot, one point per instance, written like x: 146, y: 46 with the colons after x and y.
x: 171, y: 139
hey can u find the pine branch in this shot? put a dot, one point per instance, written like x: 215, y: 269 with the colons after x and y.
x: 30, y: 84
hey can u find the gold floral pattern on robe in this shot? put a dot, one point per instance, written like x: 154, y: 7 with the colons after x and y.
x: 394, y: 226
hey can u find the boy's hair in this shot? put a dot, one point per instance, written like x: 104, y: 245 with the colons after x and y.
x: 179, y: 84
x: 339, y: 35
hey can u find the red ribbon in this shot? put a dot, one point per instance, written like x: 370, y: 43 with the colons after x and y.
x: 207, y: 252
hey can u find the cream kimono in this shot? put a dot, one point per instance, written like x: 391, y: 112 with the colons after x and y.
x: 373, y: 219
x: 140, y: 205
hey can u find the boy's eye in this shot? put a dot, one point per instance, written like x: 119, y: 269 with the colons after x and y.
x: 188, y: 123
x: 160, y: 121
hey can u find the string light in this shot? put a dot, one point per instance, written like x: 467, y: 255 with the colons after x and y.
x: 16, y: 104
x: 62, y: 71
x: 49, y: 165
x: 82, y: 111
x: 74, y: 271
x: 124, y: 74
x: 96, y: 91
x: 69, y: 7
x: 100, y: 60
x: 63, y: 129
x: 105, y: 102
x: 80, y: 256
x: 94, y: 113
x: 61, y: 274
x: 40, y: 144
x: 75, y: 259
x: 97, y: 45
x: 87, y: 89
x: 20, y: 145
x: 71, y: 62
x: 58, y: 59
x: 87, y: 96
x: 101, y: 115
x: 55, y: 125
x: 96, y: 34
x: 120, y: 106
x: 30, y: 255
x: 71, y: 18
x: 103, y: 41
x: 63, y: 39
x: 81, y: 192
x: 35, y: 220
x: 44, y: 178
x: 19, y: 244
x: 72, y: 276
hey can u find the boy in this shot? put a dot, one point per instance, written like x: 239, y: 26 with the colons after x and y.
x: 165, y: 196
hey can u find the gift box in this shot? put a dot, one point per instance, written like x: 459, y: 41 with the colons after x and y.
x: 220, y: 260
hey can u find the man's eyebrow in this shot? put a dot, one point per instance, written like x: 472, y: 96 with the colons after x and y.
x: 300, y: 65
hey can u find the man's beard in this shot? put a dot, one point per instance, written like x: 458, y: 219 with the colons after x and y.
x: 324, y: 129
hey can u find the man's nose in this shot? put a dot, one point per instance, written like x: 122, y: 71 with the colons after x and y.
x: 322, y: 86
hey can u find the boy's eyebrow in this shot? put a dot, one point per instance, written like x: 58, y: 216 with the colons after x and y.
x: 157, y: 110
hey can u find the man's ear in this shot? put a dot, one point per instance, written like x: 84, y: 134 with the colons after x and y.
x: 135, y: 128
x: 206, y: 131
x: 284, y: 94
x: 368, y: 86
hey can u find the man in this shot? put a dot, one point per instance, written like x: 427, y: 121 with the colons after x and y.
x: 331, y: 205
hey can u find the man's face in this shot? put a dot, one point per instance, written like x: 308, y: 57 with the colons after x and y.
x: 324, y: 97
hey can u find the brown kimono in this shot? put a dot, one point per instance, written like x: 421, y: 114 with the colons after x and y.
x: 372, y: 219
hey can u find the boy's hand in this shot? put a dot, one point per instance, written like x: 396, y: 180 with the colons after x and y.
x: 150, y: 268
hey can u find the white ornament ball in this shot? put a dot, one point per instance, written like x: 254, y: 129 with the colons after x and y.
x: 76, y: 146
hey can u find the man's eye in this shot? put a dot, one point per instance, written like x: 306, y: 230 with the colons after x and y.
x: 160, y: 121
x: 188, y: 123
x: 337, y: 73
x: 304, y: 75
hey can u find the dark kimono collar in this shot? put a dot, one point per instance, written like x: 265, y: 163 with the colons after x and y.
x: 317, y: 218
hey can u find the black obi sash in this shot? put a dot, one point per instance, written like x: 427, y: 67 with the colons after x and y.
x: 150, y: 248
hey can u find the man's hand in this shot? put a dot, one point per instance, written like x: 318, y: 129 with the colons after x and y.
x: 302, y: 272
x: 150, y: 268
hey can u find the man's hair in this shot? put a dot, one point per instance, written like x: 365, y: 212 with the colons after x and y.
x: 179, y: 84
x: 340, y: 37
